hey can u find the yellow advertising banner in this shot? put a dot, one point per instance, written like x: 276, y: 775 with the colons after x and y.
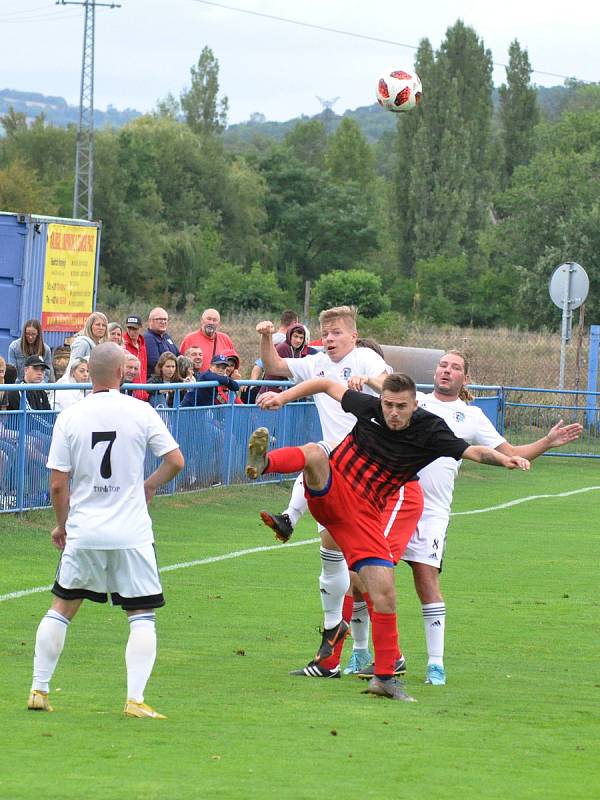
x: 68, y: 292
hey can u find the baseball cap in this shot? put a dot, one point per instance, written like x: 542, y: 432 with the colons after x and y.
x: 35, y: 361
x: 220, y: 359
x: 134, y: 321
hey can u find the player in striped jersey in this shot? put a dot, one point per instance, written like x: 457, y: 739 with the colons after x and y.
x: 347, y: 490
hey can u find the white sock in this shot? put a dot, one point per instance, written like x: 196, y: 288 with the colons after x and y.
x: 49, y: 643
x: 334, y: 582
x: 434, y: 618
x: 298, y: 505
x: 140, y: 653
x: 359, y: 625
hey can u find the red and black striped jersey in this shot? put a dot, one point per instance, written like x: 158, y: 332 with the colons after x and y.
x: 377, y: 460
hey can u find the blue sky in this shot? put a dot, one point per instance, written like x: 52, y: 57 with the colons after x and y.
x: 145, y: 48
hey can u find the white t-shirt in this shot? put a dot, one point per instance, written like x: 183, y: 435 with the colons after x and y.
x: 469, y: 423
x: 336, y: 423
x: 102, y: 442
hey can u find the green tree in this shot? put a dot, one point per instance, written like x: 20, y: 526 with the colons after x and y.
x: 444, y: 178
x: 349, y: 156
x: 234, y: 288
x: 356, y: 287
x: 308, y: 142
x: 22, y: 191
x: 315, y: 224
x: 519, y: 112
x: 549, y: 214
x: 204, y: 112
x: 13, y: 121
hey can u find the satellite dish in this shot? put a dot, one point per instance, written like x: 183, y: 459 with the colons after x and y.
x: 569, y: 286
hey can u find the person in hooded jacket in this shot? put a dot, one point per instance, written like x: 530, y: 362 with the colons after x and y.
x: 295, y: 346
x: 232, y: 370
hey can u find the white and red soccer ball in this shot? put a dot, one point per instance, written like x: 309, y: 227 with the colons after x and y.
x: 399, y: 90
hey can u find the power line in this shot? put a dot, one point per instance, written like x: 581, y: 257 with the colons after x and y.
x: 36, y: 17
x: 340, y: 32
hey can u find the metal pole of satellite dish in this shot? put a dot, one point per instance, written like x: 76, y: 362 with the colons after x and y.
x: 565, y: 333
x: 569, y: 287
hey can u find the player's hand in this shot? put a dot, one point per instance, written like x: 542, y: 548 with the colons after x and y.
x: 265, y: 327
x: 149, y: 491
x: 357, y: 382
x: 269, y: 401
x: 562, y: 434
x: 59, y: 537
x: 517, y: 462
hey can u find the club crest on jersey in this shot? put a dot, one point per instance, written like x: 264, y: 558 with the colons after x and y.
x: 321, y: 374
x: 346, y: 372
x: 459, y: 416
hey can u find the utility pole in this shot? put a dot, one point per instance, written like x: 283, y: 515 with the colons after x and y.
x: 83, y: 193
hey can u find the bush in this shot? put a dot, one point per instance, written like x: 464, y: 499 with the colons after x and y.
x: 387, y: 328
x: 354, y: 287
x: 234, y: 288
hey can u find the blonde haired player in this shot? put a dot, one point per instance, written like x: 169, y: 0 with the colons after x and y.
x: 339, y: 361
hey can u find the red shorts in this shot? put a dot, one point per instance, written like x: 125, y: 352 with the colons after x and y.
x: 354, y: 522
x: 400, y: 517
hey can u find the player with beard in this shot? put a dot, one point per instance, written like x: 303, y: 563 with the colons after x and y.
x: 348, y: 489
x: 425, y: 550
x: 339, y: 360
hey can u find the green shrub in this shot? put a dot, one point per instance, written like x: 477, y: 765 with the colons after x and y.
x: 355, y: 287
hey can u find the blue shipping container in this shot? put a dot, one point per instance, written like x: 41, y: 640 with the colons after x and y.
x: 23, y: 243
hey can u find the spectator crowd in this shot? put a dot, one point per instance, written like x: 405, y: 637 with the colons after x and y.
x: 152, y: 356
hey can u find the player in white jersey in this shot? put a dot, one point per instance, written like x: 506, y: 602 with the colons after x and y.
x: 339, y: 360
x: 425, y: 549
x: 102, y: 523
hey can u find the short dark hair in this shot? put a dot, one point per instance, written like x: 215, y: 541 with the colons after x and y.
x: 399, y: 382
x: 288, y: 317
x: 363, y: 341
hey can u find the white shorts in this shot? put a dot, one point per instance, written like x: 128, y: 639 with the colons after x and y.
x: 428, y: 542
x: 129, y: 576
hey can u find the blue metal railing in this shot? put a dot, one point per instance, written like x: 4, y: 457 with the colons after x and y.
x: 213, y: 438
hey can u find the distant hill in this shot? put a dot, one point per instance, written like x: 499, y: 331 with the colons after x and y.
x: 373, y: 122
x: 57, y: 111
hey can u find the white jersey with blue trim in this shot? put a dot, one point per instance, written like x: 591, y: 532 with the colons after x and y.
x: 336, y: 423
x: 469, y: 423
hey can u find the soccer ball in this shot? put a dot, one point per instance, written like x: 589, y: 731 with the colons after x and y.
x: 399, y: 90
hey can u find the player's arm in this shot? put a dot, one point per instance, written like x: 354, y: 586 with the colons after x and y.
x: 358, y: 382
x: 60, y: 493
x: 172, y: 463
x: 271, y: 359
x: 273, y: 400
x: 557, y: 436
x: 494, y: 458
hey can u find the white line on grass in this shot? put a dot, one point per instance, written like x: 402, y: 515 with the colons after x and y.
x: 521, y: 500
x: 237, y: 553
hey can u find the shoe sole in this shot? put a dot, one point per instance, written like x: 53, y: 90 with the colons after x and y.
x: 270, y: 523
x: 258, y: 444
x: 136, y: 713
x: 37, y: 703
x: 379, y: 691
x: 363, y: 677
x: 302, y: 673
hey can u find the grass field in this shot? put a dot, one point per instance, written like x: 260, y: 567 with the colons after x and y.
x: 519, y: 718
